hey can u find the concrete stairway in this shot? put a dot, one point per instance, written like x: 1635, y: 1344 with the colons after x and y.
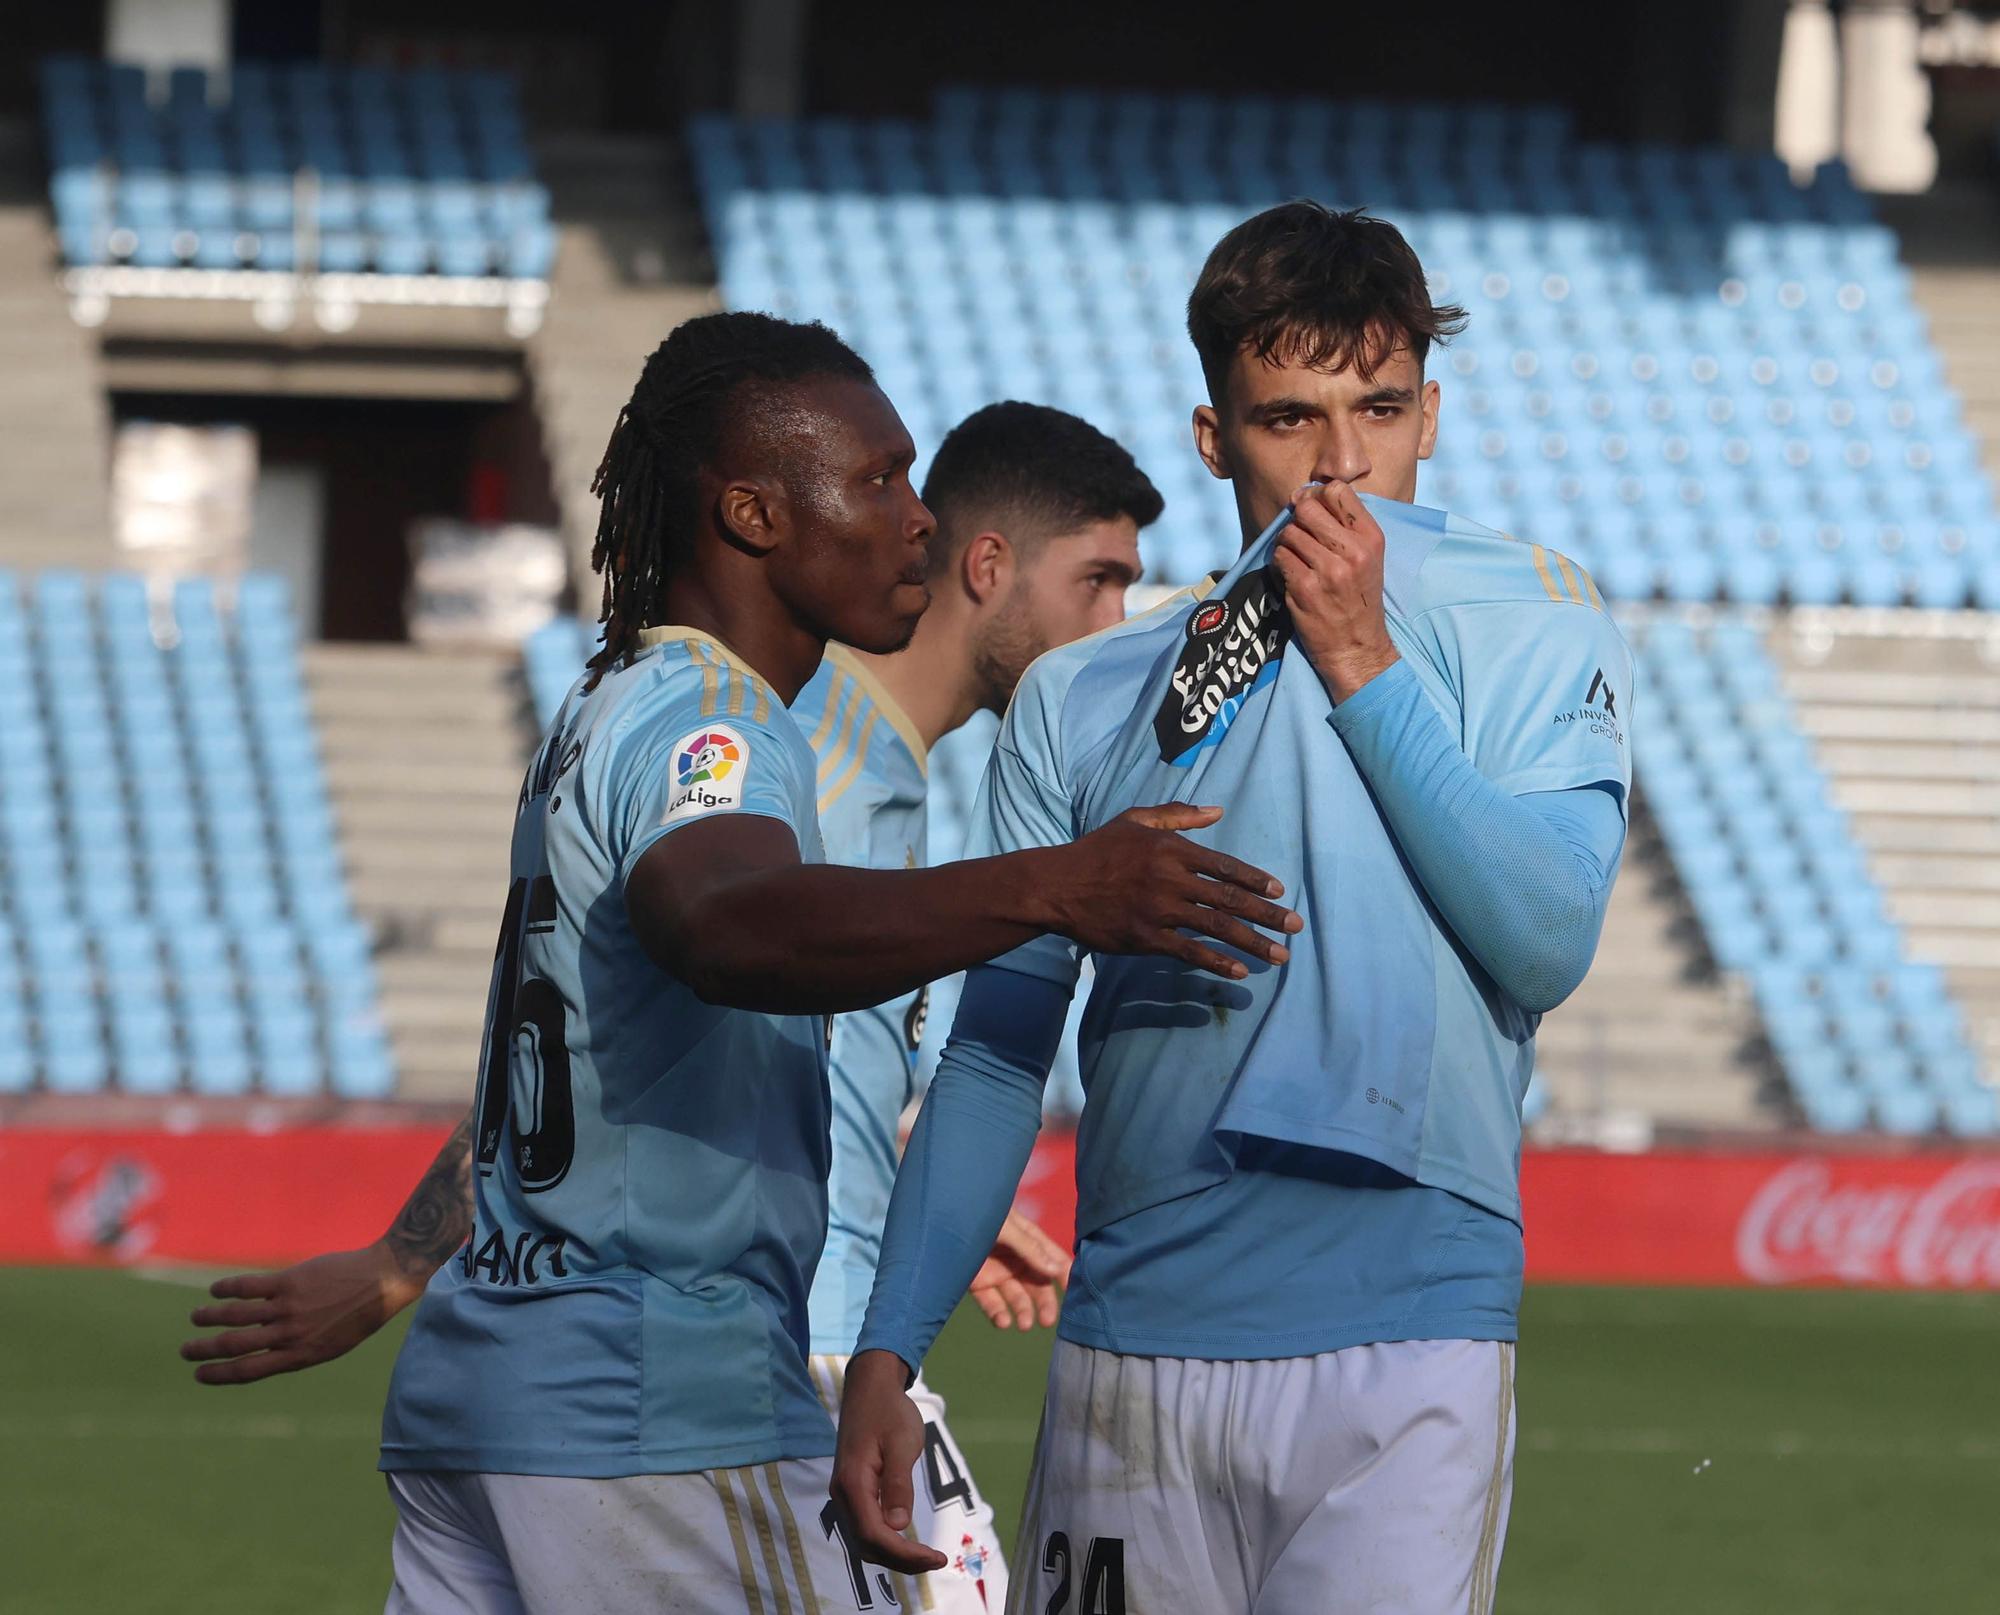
x: 55, y: 456
x: 423, y: 756
x: 631, y: 268
x: 1963, y: 305
x: 1651, y: 1040
x: 1905, y: 710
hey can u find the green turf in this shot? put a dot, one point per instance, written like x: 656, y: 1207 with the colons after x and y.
x: 1691, y: 1452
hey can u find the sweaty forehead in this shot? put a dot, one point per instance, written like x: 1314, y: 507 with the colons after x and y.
x: 828, y: 421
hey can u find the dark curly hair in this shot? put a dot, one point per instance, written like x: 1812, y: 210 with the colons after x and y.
x: 1303, y: 284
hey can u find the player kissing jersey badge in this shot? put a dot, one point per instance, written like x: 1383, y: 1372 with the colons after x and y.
x: 709, y: 769
x: 1233, y: 645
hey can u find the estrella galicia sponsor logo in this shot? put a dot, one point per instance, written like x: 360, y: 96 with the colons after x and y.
x: 1599, y: 710
x: 1231, y: 644
x: 709, y: 769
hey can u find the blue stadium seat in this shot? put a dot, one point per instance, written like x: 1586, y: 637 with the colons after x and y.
x: 17, y: 1067
x: 287, y: 1045
x: 77, y: 1067
x: 1835, y: 1109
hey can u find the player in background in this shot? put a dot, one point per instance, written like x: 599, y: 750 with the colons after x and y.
x: 704, y: 1189
x: 1284, y: 1373
x: 1037, y: 540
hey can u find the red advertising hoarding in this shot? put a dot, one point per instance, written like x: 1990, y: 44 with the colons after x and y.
x: 213, y: 1195
x: 1912, y: 1220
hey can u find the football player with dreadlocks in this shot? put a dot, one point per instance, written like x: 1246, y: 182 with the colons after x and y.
x: 605, y: 1403
x: 1038, y: 515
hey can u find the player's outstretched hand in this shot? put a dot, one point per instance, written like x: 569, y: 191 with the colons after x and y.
x: 1135, y: 886
x: 881, y: 1439
x: 1023, y: 1280
x: 277, y: 1323
x: 1330, y: 556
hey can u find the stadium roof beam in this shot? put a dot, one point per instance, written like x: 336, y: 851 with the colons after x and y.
x: 320, y: 371
x: 283, y: 307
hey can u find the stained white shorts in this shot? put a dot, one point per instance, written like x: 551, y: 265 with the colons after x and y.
x: 950, y: 1513
x: 719, y: 1542
x: 1375, y: 1479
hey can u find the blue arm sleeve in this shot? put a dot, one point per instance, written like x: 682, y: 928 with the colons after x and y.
x: 965, y: 1157
x: 1523, y: 881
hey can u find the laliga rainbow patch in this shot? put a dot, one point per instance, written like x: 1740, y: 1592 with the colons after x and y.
x: 709, y: 769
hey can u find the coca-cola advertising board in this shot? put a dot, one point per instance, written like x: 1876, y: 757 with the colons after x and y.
x: 1912, y: 1221
x: 1906, y: 1221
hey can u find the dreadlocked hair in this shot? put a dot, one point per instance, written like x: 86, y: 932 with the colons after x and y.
x: 667, y: 431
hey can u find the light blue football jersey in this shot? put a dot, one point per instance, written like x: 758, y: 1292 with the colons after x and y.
x: 651, y: 1190
x: 871, y: 782
x: 1382, y: 1038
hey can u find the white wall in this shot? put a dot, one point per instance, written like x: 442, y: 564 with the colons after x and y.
x: 1854, y: 89
x: 168, y: 33
x: 1808, y: 112
x: 1885, y: 99
x: 287, y: 528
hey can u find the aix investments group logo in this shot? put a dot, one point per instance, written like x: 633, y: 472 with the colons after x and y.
x: 1599, y: 710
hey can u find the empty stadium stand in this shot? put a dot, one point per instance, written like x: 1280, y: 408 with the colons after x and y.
x: 175, y: 917
x: 1950, y: 239
x: 1785, y: 895
x: 1904, y: 710
x: 423, y: 756
x: 1693, y: 376
x: 299, y: 167
x: 1651, y: 1046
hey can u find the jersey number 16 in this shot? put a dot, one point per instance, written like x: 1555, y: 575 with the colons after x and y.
x: 526, y: 1043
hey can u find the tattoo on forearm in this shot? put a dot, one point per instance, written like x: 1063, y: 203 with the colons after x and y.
x: 437, y: 1218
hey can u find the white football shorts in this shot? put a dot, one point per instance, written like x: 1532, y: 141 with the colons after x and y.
x: 950, y: 1514
x: 758, y: 1540
x: 1375, y: 1479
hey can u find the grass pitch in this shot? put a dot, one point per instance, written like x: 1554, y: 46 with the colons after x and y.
x: 1688, y: 1452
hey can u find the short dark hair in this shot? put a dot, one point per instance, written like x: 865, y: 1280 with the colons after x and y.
x: 1302, y: 283
x: 689, y: 393
x: 1040, y: 471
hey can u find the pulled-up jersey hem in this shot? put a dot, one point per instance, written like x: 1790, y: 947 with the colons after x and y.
x: 1504, y: 1199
